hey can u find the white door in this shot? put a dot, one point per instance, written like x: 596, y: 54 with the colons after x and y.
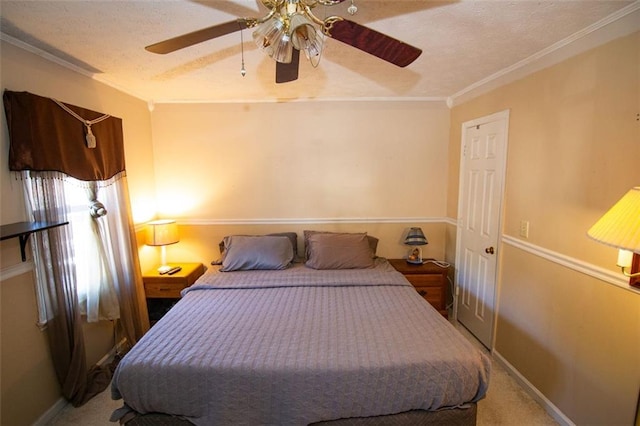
x: 482, y: 170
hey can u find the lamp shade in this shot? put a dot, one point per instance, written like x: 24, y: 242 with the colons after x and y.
x: 162, y: 232
x: 415, y: 237
x: 620, y: 226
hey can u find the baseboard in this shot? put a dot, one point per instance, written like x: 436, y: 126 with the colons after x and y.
x: 48, y: 417
x: 108, y: 357
x: 548, y: 406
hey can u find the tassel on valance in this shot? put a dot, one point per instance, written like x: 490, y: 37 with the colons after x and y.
x: 44, y: 136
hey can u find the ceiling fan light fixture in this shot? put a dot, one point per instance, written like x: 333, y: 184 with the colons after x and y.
x: 305, y: 36
x: 283, y: 50
x: 314, y: 48
x: 291, y: 26
x: 301, y: 30
x: 268, y: 35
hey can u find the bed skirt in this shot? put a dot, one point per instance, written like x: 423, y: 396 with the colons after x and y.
x: 455, y: 417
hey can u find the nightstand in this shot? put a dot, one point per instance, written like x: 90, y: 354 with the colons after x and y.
x: 429, y: 279
x: 163, y: 291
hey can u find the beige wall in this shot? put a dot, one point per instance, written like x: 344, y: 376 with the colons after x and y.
x: 378, y: 167
x: 298, y: 160
x: 28, y: 384
x: 574, y: 145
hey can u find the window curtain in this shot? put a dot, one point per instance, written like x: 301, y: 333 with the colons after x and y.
x: 48, y: 144
x: 55, y: 275
x: 99, y: 301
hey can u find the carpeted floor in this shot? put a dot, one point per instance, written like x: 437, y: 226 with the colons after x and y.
x: 506, y: 404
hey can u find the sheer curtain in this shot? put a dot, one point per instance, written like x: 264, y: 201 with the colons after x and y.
x: 55, y: 275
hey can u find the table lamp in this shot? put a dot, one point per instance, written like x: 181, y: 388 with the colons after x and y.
x: 415, y: 237
x: 162, y: 233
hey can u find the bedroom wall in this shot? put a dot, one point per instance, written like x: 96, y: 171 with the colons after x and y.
x: 574, y: 145
x: 28, y: 384
x: 378, y: 167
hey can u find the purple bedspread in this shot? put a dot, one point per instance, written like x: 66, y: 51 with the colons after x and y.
x: 298, y: 346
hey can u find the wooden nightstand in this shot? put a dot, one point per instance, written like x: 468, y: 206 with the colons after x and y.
x: 430, y: 281
x: 163, y: 291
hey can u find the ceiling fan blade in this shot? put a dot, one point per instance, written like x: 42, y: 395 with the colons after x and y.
x: 186, y: 40
x: 374, y: 43
x: 288, y: 72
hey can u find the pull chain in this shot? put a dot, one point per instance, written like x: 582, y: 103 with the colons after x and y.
x: 353, y: 9
x: 243, y: 71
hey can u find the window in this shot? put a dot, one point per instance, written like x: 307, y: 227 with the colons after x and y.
x: 89, y: 258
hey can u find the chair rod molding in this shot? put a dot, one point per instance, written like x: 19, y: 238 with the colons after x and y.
x: 11, y: 271
x: 610, y: 277
x: 303, y: 221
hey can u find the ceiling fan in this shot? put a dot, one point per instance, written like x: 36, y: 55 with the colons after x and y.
x: 289, y: 27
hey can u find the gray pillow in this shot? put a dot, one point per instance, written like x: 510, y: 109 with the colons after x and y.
x: 373, y: 241
x: 338, y: 251
x: 291, y: 235
x: 243, y: 253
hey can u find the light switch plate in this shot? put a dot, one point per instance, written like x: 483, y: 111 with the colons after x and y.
x: 524, y: 228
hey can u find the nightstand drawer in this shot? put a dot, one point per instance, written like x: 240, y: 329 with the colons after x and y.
x: 425, y: 280
x: 164, y: 290
x: 432, y: 295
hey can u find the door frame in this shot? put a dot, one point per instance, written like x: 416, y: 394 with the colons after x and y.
x: 498, y: 116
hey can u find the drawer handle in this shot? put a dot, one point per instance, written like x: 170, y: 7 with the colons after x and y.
x: 164, y: 289
x: 422, y: 293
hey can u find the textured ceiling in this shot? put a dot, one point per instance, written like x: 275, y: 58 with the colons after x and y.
x: 463, y: 43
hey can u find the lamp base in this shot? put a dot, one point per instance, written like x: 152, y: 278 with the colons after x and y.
x: 415, y: 256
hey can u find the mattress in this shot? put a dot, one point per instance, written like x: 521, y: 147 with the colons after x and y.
x: 298, y: 346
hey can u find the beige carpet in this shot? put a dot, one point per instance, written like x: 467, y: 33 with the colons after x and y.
x: 506, y: 404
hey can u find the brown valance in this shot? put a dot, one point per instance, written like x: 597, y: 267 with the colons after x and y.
x: 45, y: 137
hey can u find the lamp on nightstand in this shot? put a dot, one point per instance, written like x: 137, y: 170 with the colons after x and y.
x: 162, y: 233
x: 415, y: 237
x: 620, y: 228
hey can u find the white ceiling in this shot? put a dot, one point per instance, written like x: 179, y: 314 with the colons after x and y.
x: 463, y: 43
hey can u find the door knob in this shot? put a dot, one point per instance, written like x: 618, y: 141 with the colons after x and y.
x: 489, y: 250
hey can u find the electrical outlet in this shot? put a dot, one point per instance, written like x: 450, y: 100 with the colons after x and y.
x: 524, y: 228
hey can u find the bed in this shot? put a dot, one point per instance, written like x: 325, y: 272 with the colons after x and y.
x: 298, y: 345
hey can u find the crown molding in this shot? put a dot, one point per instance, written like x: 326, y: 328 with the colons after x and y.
x: 66, y: 64
x: 623, y: 22
x: 424, y: 99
